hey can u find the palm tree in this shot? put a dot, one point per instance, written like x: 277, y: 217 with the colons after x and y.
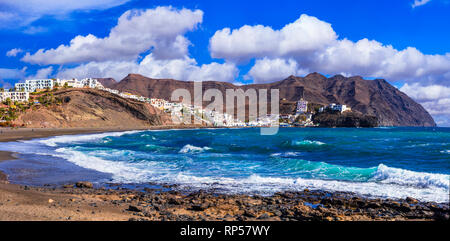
x: 8, y: 101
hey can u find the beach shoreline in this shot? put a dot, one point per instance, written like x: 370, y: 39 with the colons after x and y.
x: 79, y: 201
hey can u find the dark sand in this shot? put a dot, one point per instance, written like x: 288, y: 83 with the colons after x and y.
x: 80, y: 203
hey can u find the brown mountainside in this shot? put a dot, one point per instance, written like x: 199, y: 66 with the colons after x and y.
x: 93, y: 108
x: 107, y: 82
x: 371, y: 97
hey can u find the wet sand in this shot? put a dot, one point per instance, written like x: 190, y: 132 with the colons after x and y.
x: 82, y: 202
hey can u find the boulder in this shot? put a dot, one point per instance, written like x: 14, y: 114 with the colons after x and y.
x: 84, y: 185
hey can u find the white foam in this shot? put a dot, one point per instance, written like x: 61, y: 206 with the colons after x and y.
x: 122, y: 172
x: 270, y: 185
x: 193, y: 149
x: 308, y: 142
x: 53, y: 141
x: 445, y: 151
x: 388, y: 187
x: 286, y: 154
x: 399, y: 176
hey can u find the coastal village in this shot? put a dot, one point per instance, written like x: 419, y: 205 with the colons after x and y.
x: 33, y: 92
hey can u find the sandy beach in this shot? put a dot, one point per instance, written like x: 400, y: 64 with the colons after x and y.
x: 80, y: 201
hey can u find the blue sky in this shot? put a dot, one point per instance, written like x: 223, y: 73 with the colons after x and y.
x: 234, y: 41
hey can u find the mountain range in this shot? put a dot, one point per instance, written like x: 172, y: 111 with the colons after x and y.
x: 369, y: 97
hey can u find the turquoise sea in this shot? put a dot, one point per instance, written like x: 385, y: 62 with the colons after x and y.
x: 376, y: 162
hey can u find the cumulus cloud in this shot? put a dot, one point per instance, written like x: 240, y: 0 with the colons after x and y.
x: 158, y: 33
x: 5, y: 85
x: 371, y: 58
x: 137, y: 31
x: 11, y: 73
x: 426, y: 93
x: 312, y: 45
x: 300, y: 37
x: 418, y: 3
x: 434, y: 98
x: 13, y: 52
x: 19, y: 13
x: 269, y: 70
x: 181, y: 69
x: 43, y: 73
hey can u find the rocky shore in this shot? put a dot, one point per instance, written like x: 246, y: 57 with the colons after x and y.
x: 80, y: 201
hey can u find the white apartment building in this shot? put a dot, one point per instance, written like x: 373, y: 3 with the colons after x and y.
x: 91, y: 83
x: 335, y: 107
x: 70, y: 83
x: 15, y: 96
x: 302, y: 106
x: 75, y: 83
x: 340, y: 108
x: 33, y: 85
x: 41, y: 84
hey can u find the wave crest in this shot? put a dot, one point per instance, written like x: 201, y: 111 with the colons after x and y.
x: 307, y: 143
x: 54, y: 141
x: 193, y: 149
x: 400, y: 176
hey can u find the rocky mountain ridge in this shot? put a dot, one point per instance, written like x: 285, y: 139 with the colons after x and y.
x: 369, y: 97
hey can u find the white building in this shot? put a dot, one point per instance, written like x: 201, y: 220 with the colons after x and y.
x: 340, y: 108
x: 41, y: 84
x: 33, y: 85
x: 335, y: 107
x: 15, y: 96
x: 91, y: 83
x: 75, y: 83
x: 302, y: 106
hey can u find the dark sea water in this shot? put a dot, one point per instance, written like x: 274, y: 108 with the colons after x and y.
x: 376, y: 162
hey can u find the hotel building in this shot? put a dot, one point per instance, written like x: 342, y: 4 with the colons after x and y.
x: 33, y: 85
x: 14, y: 96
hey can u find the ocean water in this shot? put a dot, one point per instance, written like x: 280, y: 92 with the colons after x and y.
x: 375, y: 162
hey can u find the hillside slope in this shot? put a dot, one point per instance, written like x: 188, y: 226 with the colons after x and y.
x: 93, y: 108
x: 370, y: 97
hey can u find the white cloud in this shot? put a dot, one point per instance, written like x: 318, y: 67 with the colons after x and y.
x: 434, y: 98
x: 137, y: 31
x: 159, y: 31
x: 35, y: 30
x: 426, y: 93
x: 11, y: 73
x: 418, y: 3
x: 313, y: 46
x: 371, y: 58
x: 43, y: 73
x: 269, y: 70
x: 186, y: 69
x: 5, y: 85
x: 304, y: 35
x: 180, y: 69
x: 19, y: 13
x: 114, y: 69
x: 13, y: 52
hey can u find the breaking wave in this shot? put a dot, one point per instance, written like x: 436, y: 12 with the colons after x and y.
x: 193, y: 149
x: 54, y: 141
x: 381, y: 181
x: 307, y: 143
